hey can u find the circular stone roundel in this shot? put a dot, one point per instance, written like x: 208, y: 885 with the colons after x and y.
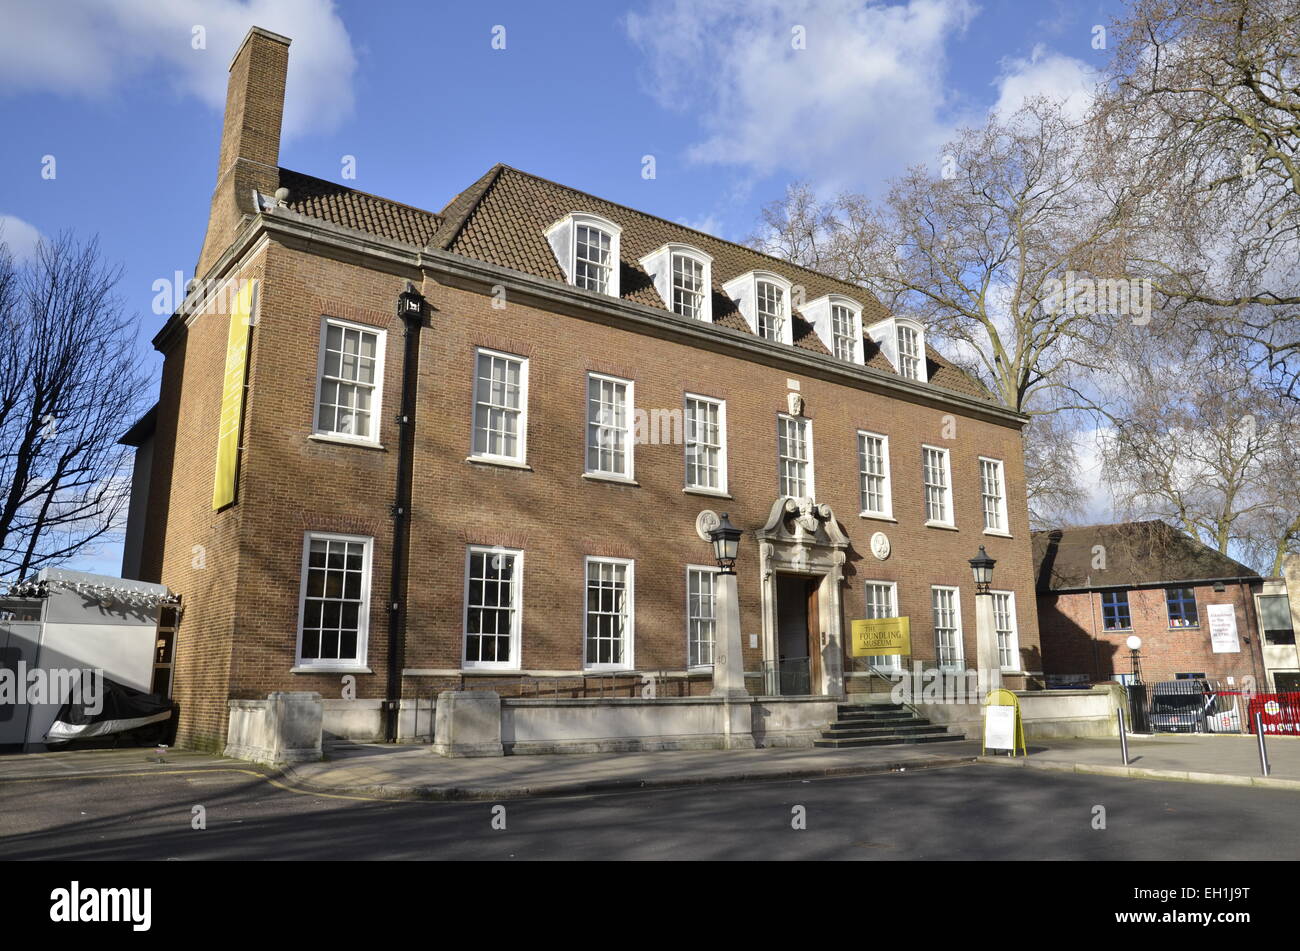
x: 880, y: 545
x: 706, y: 522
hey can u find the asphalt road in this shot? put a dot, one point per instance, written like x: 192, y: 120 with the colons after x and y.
x: 971, y: 812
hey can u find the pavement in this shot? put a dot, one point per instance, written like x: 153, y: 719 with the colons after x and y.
x: 1222, y: 759
x: 380, y: 771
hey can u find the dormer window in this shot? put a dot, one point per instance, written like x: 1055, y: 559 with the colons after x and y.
x: 842, y: 331
x: 770, y: 310
x: 591, y: 259
x: 902, y: 341
x: 838, y: 322
x: 909, y: 352
x: 586, y: 247
x: 763, y: 299
x: 688, y: 286
x: 683, y: 277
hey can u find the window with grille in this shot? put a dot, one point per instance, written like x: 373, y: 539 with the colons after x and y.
x: 609, y: 426
x: 591, y: 259
x: 351, y: 374
x: 770, y: 310
x: 688, y: 286
x: 947, y: 627
x: 705, y: 444
x: 335, y: 600
x: 1004, y: 623
x: 608, y: 630
x: 909, y: 353
x: 701, y: 615
x: 993, y: 495
x: 1181, y: 603
x: 873, y: 469
x: 938, y: 485
x: 881, y: 602
x: 1114, y: 611
x: 492, y: 603
x: 794, y: 456
x: 500, y: 406
x: 843, y: 332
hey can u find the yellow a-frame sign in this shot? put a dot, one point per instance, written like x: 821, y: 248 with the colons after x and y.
x: 1003, y: 727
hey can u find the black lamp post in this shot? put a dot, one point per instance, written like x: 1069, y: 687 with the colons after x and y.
x: 726, y: 542
x: 981, y: 567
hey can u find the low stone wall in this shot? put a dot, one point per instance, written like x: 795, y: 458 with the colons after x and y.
x: 362, y: 721
x: 628, y: 724
x: 1047, y: 714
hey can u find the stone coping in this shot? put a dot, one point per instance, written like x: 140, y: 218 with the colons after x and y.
x: 656, y: 701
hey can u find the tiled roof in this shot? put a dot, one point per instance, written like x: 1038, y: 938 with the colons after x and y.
x: 1136, y: 554
x: 337, y: 204
x: 502, y: 219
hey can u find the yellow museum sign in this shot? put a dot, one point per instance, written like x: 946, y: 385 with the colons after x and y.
x: 881, y: 636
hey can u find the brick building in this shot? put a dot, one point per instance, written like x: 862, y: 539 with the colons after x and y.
x: 1099, y: 585
x: 577, y: 382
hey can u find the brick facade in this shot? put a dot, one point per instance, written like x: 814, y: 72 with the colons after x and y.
x: 239, y: 570
x: 1076, y: 642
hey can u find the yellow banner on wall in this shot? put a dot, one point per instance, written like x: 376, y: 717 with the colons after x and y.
x: 882, y: 636
x: 232, y: 394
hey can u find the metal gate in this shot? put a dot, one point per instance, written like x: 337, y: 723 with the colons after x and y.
x: 1209, y: 706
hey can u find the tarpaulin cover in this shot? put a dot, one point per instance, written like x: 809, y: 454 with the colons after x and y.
x: 123, y: 708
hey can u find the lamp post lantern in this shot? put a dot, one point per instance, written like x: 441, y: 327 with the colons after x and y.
x: 981, y: 567
x: 725, y: 539
x: 986, y: 638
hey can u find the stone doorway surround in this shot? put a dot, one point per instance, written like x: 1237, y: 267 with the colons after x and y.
x: 803, y: 537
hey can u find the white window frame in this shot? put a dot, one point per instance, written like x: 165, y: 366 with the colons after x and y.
x: 563, y: 238
x: 517, y: 610
x: 743, y: 289
x: 810, y: 484
x: 713, y: 571
x: 629, y: 632
x: 888, y: 491
x: 521, y: 436
x: 959, y: 663
x: 951, y: 521
x: 629, y: 430
x: 1001, y: 497
x: 883, y: 661
x: 886, y: 335
x: 661, y: 265
x: 359, y: 663
x: 1013, y: 638
x: 852, y: 336
x: 782, y: 317
x: 721, y: 487
x: 910, y: 366
x: 377, y: 391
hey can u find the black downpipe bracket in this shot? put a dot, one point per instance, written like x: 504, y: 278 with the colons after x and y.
x: 410, y: 308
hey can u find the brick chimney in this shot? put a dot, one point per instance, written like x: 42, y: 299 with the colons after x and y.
x: 250, y: 139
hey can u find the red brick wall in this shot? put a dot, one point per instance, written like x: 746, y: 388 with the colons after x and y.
x: 290, y: 483
x: 1074, y: 641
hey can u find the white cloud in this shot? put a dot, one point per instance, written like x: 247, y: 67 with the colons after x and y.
x: 865, y: 96
x: 90, y: 47
x: 19, y: 236
x: 1044, y: 73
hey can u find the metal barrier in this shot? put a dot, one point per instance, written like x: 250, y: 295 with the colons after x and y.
x: 790, y: 677
x: 1208, y: 706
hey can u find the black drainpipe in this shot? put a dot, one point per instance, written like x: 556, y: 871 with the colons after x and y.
x: 410, y: 308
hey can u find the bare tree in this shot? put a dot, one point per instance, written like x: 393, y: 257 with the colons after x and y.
x: 1198, y: 440
x: 69, y: 384
x: 1208, y: 93
x: 1002, y: 254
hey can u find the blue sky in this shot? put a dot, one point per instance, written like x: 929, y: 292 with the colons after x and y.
x: 716, y: 92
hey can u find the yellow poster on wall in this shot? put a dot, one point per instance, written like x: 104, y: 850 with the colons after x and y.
x: 881, y: 636
x: 232, y: 391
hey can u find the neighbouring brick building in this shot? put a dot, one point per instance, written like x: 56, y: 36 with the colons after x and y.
x: 506, y: 481
x: 1099, y: 585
